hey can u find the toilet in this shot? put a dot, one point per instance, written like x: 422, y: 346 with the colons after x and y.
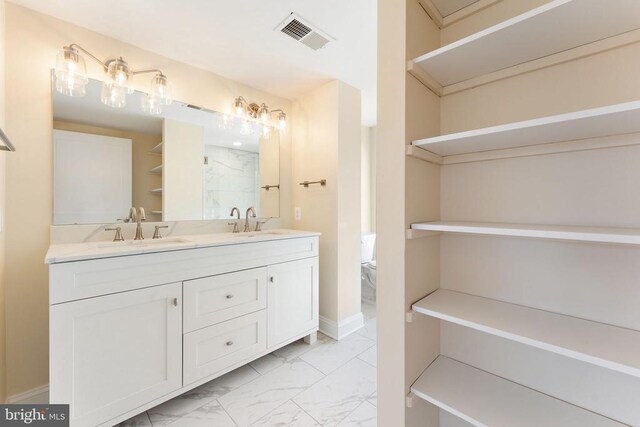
x: 368, y: 268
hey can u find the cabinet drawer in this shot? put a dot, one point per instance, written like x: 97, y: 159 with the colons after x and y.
x: 215, y: 299
x: 210, y: 350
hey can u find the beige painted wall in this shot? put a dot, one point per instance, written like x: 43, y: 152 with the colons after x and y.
x: 326, y: 132
x: 368, y: 180
x: 32, y: 40
x: 142, y: 162
x: 3, y: 371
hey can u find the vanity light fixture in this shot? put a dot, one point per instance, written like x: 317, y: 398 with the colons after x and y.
x: 244, y: 109
x: 71, y: 79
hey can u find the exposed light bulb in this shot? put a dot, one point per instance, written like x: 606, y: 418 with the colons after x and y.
x: 71, y: 72
x: 119, y: 74
x: 266, y: 131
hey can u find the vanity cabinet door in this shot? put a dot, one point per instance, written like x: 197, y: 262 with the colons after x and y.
x: 113, y: 353
x: 292, y: 295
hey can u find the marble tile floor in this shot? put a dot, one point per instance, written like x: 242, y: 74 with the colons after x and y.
x: 330, y: 383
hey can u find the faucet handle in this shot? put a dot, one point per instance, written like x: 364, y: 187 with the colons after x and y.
x: 236, y: 229
x: 156, y: 233
x: 259, y: 223
x: 118, y: 237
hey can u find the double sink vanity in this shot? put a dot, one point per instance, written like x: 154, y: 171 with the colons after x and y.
x: 136, y: 323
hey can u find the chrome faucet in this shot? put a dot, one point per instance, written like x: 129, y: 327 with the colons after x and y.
x: 246, y: 222
x: 138, y: 216
x: 236, y: 229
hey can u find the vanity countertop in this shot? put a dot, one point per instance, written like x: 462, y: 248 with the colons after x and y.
x: 67, y: 252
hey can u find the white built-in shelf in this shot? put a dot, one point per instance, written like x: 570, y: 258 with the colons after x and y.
x: 157, y: 149
x: 483, y: 399
x: 555, y: 27
x: 157, y: 190
x: 157, y: 169
x: 610, y: 235
x: 611, y: 120
x: 156, y: 212
x: 600, y: 344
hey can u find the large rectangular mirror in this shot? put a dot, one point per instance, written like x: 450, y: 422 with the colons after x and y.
x: 185, y: 163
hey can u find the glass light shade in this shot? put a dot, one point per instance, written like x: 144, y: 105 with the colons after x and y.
x: 113, y: 96
x: 266, y: 131
x: 225, y: 122
x: 151, y: 105
x: 282, y: 121
x: 247, y: 128
x: 71, y: 72
x: 264, y: 113
x: 238, y: 107
x: 161, y: 89
x: 119, y: 74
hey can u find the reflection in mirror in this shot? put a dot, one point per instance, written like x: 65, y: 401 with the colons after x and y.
x: 185, y: 163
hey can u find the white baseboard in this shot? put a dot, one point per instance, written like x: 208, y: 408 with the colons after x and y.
x: 339, y: 330
x: 34, y: 396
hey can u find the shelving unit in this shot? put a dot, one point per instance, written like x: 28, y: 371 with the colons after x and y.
x: 603, y: 345
x: 621, y: 236
x: 156, y: 170
x: 157, y: 149
x: 568, y: 24
x: 611, y: 120
x: 483, y: 399
x: 525, y: 330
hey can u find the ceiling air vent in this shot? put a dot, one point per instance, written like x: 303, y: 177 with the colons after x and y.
x: 300, y: 30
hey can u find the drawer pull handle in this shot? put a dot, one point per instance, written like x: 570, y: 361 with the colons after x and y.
x: 229, y: 296
x: 271, y: 279
x: 229, y: 343
x: 175, y: 302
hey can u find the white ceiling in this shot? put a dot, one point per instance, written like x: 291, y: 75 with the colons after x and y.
x: 447, y: 7
x: 236, y: 38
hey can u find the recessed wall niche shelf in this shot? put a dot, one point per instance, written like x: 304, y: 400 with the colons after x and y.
x: 611, y: 120
x: 156, y: 170
x: 8, y: 146
x: 483, y: 399
x: 568, y: 24
x: 609, y: 235
x: 157, y: 149
x: 603, y: 345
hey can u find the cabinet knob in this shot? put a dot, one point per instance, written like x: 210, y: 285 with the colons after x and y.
x: 175, y: 302
x: 229, y: 296
x: 271, y: 279
x: 229, y: 343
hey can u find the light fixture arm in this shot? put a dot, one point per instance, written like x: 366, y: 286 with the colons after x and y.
x: 152, y: 70
x: 85, y: 51
x: 105, y: 65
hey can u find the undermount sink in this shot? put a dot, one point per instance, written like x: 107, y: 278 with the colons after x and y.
x: 149, y: 242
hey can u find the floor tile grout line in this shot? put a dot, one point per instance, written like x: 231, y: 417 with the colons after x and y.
x: 227, y: 412
x: 310, y: 416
